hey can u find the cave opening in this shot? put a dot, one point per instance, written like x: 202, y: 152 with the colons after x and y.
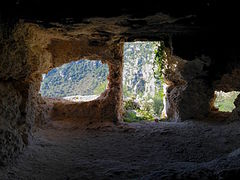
x: 224, y: 101
x: 143, y: 87
x: 78, y: 81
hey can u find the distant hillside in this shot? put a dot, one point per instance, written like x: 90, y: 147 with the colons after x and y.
x: 82, y: 77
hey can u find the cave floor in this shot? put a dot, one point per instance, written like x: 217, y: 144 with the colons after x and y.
x: 62, y: 150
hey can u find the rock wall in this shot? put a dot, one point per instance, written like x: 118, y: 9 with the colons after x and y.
x: 13, y: 69
x: 12, y: 133
x: 28, y: 50
x: 26, y: 53
x: 189, y: 93
x: 229, y: 81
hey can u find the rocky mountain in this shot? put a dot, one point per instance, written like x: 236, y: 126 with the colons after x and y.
x: 138, y: 79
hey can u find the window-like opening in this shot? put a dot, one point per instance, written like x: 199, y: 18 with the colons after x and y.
x: 225, y: 101
x: 82, y: 80
x: 143, y: 86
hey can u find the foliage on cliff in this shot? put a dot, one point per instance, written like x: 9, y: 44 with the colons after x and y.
x: 82, y: 77
x: 143, y: 80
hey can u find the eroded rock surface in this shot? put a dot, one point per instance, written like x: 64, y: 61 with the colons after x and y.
x: 188, y: 93
x: 11, y: 127
x: 164, y: 150
x: 27, y: 52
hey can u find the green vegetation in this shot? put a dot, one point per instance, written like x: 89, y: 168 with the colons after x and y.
x: 133, y: 113
x: 145, y: 115
x: 159, y: 61
x: 143, y: 80
x: 82, y: 77
x: 131, y: 104
x: 158, y: 67
x: 158, y: 104
x: 101, y: 87
x: 131, y: 116
x: 225, y: 101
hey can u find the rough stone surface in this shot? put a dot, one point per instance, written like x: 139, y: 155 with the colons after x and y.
x: 235, y: 115
x: 29, y: 51
x: 164, y: 150
x: 13, y: 60
x: 11, y: 129
x: 229, y: 81
x: 188, y: 93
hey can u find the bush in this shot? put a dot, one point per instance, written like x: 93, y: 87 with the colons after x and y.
x: 133, y: 113
x: 131, y: 116
x: 131, y: 104
x: 147, y: 105
x: 145, y: 115
x: 157, y: 105
x: 150, y: 107
x: 225, y: 101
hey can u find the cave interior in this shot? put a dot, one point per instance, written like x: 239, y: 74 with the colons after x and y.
x: 202, y: 57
